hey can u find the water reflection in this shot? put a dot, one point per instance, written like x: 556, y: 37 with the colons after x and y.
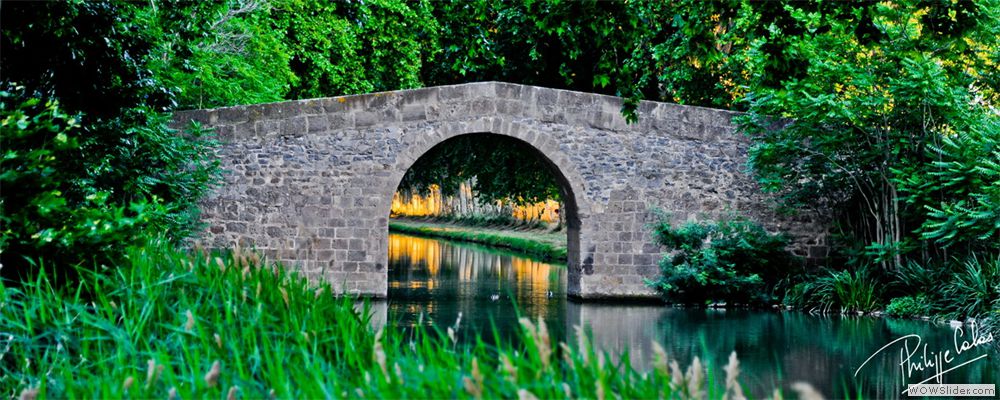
x: 442, y: 279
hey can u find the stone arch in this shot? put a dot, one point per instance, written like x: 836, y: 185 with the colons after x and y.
x: 571, y: 183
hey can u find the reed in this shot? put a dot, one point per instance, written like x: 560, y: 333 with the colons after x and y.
x: 191, y: 325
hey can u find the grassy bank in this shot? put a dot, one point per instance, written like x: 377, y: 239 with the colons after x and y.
x: 534, y: 242
x: 168, y: 324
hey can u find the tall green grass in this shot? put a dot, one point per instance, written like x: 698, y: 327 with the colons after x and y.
x: 844, y: 291
x: 169, y: 324
x: 543, y: 250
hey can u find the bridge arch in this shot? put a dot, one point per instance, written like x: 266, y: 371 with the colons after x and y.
x: 566, y: 174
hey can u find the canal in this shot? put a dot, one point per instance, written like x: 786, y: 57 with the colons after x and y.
x: 481, y: 290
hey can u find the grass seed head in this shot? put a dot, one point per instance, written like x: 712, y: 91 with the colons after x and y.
x: 189, y: 325
x: 399, y: 374
x: 29, y: 394
x: 231, y: 395
x: 477, y: 375
x: 582, y: 344
x: 172, y: 393
x: 212, y: 376
x: 660, y: 359
x: 676, y: 377
x: 218, y: 340
x: 524, y: 394
x: 150, y: 368
x: 284, y: 295
x: 567, y: 354
x: 221, y: 264
x: 695, y: 379
x: 471, y: 388
x: 806, y: 391
x: 509, y: 369
x: 128, y: 383
x: 567, y: 391
x: 599, y: 390
x: 733, y: 389
x: 544, y: 343
x: 153, y: 372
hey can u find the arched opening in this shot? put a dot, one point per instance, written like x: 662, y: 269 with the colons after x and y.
x: 451, y: 260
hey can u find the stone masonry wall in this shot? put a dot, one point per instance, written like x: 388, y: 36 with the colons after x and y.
x: 310, y: 182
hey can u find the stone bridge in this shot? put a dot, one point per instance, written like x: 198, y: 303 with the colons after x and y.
x: 310, y: 182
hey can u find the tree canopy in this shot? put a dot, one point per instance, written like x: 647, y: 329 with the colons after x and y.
x: 885, y: 112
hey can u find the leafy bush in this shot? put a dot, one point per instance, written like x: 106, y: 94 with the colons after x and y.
x: 908, y: 306
x: 80, y: 198
x: 916, y: 278
x: 89, y: 162
x: 734, y: 260
x: 961, y: 191
x: 865, y: 130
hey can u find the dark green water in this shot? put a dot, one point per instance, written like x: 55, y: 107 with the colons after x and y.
x: 434, y: 281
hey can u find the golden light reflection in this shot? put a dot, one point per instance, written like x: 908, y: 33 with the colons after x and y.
x: 436, y: 204
x: 468, y: 265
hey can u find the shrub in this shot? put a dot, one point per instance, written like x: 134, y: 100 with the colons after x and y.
x: 909, y: 306
x: 734, y: 260
x: 82, y: 198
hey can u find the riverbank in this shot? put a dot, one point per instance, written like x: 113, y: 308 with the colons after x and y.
x: 550, y: 246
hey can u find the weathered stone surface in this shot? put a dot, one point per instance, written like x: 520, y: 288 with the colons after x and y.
x: 310, y: 183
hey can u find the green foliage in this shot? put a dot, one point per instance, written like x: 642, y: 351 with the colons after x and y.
x: 73, y: 203
x: 355, y: 47
x: 504, y: 169
x: 734, y: 261
x: 577, y: 45
x: 973, y: 289
x: 856, y: 132
x: 908, y: 306
x: 954, y: 290
x: 199, y: 325
x: 93, y: 160
x: 214, y: 54
x: 961, y: 189
x: 89, y: 55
